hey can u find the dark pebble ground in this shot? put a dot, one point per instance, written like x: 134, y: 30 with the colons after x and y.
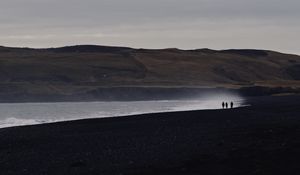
x: 260, y: 139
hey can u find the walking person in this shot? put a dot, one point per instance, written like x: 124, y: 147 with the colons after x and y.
x: 231, y: 105
x: 223, y: 105
x: 226, y: 104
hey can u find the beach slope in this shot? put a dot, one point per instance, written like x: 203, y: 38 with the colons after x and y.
x: 260, y: 139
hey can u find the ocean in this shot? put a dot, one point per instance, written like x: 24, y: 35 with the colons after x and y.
x: 17, y: 114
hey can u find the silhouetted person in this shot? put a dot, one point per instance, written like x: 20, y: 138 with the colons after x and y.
x: 223, y: 105
x: 226, y: 104
x: 231, y: 104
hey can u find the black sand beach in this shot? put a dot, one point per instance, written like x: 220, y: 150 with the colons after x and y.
x: 263, y: 138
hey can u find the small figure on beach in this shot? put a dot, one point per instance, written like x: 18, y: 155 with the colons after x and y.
x: 231, y: 105
x: 223, y: 105
x: 226, y: 104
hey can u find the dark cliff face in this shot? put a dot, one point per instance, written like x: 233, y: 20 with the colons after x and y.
x: 81, y: 70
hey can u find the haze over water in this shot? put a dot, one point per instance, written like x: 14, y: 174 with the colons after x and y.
x: 16, y: 114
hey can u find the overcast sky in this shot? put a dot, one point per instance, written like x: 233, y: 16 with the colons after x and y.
x: 186, y: 24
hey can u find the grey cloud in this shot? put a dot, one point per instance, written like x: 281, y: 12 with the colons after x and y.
x: 156, y: 23
x: 119, y: 11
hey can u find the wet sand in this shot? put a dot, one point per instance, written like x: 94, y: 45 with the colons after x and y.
x: 260, y: 139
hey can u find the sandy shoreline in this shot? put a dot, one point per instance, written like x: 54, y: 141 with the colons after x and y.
x: 261, y: 139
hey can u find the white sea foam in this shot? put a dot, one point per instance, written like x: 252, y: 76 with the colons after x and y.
x: 8, y: 122
x: 17, y: 114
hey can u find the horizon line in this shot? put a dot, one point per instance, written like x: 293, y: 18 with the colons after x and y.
x: 137, y: 48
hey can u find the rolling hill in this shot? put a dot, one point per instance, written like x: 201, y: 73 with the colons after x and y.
x: 85, y: 72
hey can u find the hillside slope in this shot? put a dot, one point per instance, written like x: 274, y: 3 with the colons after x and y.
x: 80, y: 69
